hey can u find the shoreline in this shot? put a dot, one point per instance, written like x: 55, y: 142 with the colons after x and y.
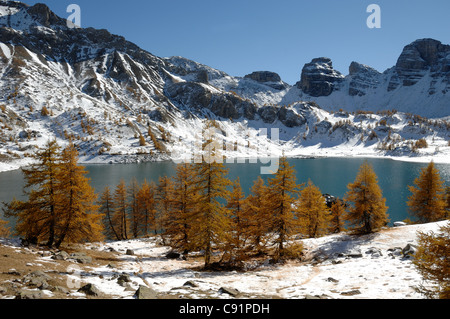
x: 140, y: 159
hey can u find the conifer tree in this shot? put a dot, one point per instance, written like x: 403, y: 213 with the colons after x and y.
x: 312, y: 211
x: 337, y: 217
x: 4, y: 229
x: 368, y: 211
x: 164, y: 200
x: 37, y: 216
x: 427, y: 201
x: 120, y: 217
x: 256, y: 216
x: 133, y: 204
x: 282, y: 193
x: 238, y: 224
x: 106, y: 208
x: 211, y: 222
x: 183, y: 208
x: 78, y: 218
x: 147, y: 208
x: 432, y: 262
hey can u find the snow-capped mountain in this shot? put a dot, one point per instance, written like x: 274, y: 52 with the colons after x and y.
x: 106, y: 94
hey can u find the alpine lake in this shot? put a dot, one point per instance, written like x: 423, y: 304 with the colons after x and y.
x: 331, y: 175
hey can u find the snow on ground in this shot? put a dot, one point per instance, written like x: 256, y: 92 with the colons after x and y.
x: 346, y: 267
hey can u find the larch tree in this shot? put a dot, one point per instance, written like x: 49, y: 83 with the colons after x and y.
x: 134, y: 206
x: 282, y: 193
x: 238, y: 224
x: 147, y: 208
x: 120, y: 217
x: 427, y: 201
x: 367, y: 210
x: 337, y: 217
x: 256, y: 216
x: 4, y: 229
x: 78, y: 217
x: 210, y: 223
x: 37, y: 216
x: 183, y: 209
x: 432, y: 260
x: 312, y: 211
x: 164, y: 200
x: 107, y: 209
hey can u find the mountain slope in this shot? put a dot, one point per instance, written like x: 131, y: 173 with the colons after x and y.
x: 104, y: 93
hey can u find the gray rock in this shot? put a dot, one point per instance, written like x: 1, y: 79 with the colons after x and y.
x: 123, y: 279
x: 351, y: 293
x: 409, y: 250
x: 81, y: 258
x: 37, y: 279
x: 144, y: 292
x: 230, y: 291
x: 129, y: 252
x: 62, y: 255
x: 90, y: 290
x: 319, y: 78
x: 27, y: 294
x: 190, y: 283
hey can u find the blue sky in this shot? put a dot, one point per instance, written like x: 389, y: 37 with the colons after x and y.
x: 240, y: 37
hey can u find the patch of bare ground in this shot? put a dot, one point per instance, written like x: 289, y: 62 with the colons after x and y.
x: 16, y: 263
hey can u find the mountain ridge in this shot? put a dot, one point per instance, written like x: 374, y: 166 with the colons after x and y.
x: 105, y: 92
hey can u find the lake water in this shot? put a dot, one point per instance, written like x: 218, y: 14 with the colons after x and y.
x: 331, y: 175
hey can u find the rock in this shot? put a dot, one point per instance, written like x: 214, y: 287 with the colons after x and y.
x: 27, y: 294
x: 375, y: 252
x: 123, y: 279
x: 331, y: 279
x: 37, y: 279
x: 144, y: 292
x: 270, y: 79
x: 351, y: 293
x: 190, y: 283
x: 129, y: 252
x: 362, y: 78
x: 60, y: 289
x: 319, y: 78
x: 399, y: 224
x: 173, y: 255
x: 81, y: 258
x: 230, y: 291
x: 409, y: 250
x: 356, y: 253
x: 3, y: 290
x: 90, y: 290
x: 62, y: 255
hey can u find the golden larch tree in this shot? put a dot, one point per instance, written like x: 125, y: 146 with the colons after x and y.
x: 78, y: 217
x: 147, y: 208
x: 164, y: 200
x: 183, y: 208
x: 134, y: 206
x: 312, y: 211
x: 238, y: 223
x: 256, y: 216
x: 337, y: 217
x: 36, y: 217
x: 427, y: 201
x: 432, y: 260
x: 282, y: 193
x: 106, y: 208
x: 120, y: 217
x: 367, y: 211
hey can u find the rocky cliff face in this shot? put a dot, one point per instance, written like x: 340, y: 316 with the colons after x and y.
x: 319, y: 78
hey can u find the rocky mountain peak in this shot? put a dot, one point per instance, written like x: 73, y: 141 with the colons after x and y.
x: 319, y: 78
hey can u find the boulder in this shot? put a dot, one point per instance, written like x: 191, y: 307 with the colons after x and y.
x: 81, y: 258
x: 409, y: 250
x: 144, y: 292
x: 37, y: 279
x: 230, y: 291
x: 123, y: 279
x: 28, y: 294
x: 62, y: 255
x: 129, y: 252
x: 90, y: 290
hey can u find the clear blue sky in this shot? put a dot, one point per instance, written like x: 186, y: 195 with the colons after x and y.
x: 243, y: 36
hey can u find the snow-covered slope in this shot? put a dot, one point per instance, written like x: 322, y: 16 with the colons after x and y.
x: 376, y: 266
x: 104, y: 93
